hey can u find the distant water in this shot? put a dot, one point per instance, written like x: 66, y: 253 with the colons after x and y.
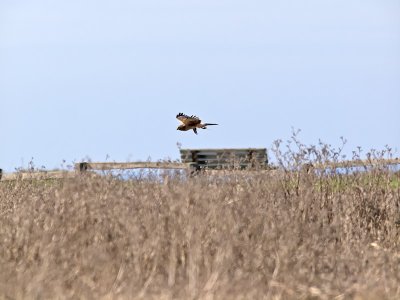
x: 351, y: 170
x: 161, y: 174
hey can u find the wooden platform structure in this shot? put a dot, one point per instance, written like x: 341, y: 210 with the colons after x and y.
x: 246, y: 158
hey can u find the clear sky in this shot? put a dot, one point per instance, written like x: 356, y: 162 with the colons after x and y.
x: 96, y: 79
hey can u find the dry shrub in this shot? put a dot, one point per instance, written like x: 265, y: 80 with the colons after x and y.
x: 291, y: 233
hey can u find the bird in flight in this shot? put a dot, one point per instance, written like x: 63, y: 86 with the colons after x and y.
x: 191, y: 122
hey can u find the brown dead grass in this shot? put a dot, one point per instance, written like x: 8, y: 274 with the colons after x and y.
x: 238, y: 235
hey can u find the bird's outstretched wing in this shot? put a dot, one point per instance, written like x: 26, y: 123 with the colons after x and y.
x: 188, y: 121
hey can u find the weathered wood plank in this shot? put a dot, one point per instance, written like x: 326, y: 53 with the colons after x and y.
x: 225, y: 150
x: 131, y: 165
x: 38, y: 175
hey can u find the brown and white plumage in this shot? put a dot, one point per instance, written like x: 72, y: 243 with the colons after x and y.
x: 191, y: 123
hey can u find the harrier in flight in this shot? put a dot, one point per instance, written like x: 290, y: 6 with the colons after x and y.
x: 191, y: 122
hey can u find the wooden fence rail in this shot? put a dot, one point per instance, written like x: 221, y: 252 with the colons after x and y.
x: 90, y: 166
x: 102, y: 166
x: 188, y: 164
x: 36, y: 175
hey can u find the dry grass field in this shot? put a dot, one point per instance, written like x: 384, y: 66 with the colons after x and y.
x: 288, y: 234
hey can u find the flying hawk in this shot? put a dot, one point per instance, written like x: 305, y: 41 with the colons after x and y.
x: 191, y: 122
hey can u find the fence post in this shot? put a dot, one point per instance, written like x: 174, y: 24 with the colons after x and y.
x: 83, y: 166
x: 1, y: 173
x: 194, y: 169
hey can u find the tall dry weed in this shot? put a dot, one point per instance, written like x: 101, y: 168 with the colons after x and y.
x: 291, y: 233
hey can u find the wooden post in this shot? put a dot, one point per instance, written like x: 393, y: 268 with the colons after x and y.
x: 194, y: 169
x: 83, y: 166
x: 194, y: 156
x: 252, y: 161
x: 1, y: 173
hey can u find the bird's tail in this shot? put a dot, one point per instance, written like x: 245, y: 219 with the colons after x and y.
x: 204, y: 126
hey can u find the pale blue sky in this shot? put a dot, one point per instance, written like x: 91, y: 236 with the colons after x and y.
x: 95, y: 78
